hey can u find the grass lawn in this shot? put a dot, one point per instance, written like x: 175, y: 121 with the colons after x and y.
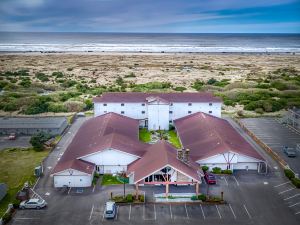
x: 17, y: 167
x: 173, y: 138
x: 108, y: 179
x: 144, y: 135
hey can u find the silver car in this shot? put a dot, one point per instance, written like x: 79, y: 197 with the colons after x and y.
x: 33, y: 203
x: 110, y: 210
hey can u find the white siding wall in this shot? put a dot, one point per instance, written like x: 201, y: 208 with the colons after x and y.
x: 158, y: 116
x: 110, y: 157
x: 73, y: 180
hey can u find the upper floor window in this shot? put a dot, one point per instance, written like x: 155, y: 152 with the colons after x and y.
x: 170, y: 112
x: 122, y: 112
x: 143, y: 112
x: 189, y: 112
x: 210, y: 111
x: 171, y: 104
x: 122, y: 104
x: 105, y: 111
x: 143, y: 104
x: 104, y: 104
x: 210, y: 103
x: 190, y: 104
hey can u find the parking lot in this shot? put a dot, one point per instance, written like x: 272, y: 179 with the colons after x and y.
x: 21, y: 141
x: 275, y: 135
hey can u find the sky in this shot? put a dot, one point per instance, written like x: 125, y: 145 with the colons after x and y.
x: 153, y: 16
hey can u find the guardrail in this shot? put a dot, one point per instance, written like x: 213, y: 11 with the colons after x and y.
x: 273, y: 154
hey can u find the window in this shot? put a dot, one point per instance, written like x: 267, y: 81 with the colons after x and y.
x: 210, y: 111
x: 105, y: 111
x: 189, y: 112
x: 190, y: 104
x: 104, y: 104
x: 171, y: 104
x: 143, y: 112
x: 143, y: 104
x: 170, y: 112
x: 210, y: 104
x: 122, y: 104
x: 122, y: 112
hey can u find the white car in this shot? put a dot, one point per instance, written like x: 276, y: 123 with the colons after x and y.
x: 110, y: 210
x: 33, y: 203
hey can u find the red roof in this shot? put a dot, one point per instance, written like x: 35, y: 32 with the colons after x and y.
x: 110, y: 130
x: 169, y: 97
x: 158, y: 156
x: 206, y: 135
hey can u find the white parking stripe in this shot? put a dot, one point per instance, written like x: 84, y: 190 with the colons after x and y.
x: 202, y: 211
x: 225, y: 180
x: 154, y: 212
x: 171, y: 212
x: 232, y: 211
x: 282, y: 184
x: 236, y: 181
x: 218, y: 212
x: 117, y: 209
x: 92, y: 210
x: 129, y: 212
x: 294, y: 204
x: 286, y: 191
x: 187, y: 215
x: 94, y: 188
x: 69, y: 190
x: 291, y: 197
x: 297, y: 213
x: 247, y: 212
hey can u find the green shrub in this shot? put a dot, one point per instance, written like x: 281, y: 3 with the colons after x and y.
x: 6, y: 218
x: 211, y: 81
x: 181, y: 89
x: 58, y: 74
x: 69, y: 69
x: 39, y: 105
x: 202, y: 197
x: 131, y: 74
x: 42, y: 77
x: 289, y: 174
x: 38, y: 140
x: 296, y: 182
x: 68, y: 83
x: 259, y: 110
x: 25, y: 83
x: 216, y: 170
x: 194, y: 198
x: 279, y: 85
x: 198, y: 84
x: 141, y: 198
x: 129, y: 198
x: 88, y: 104
x: 205, y: 168
x: 56, y: 107
x: 227, y: 171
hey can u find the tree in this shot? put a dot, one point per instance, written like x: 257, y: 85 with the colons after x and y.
x: 38, y: 140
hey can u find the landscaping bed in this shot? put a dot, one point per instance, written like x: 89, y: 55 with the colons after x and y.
x: 129, y: 198
x: 109, y: 179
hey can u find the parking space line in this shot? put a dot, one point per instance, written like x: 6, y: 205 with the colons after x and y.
x: 282, y: 184
x: 291, y: 197
x: 171, y: 212
x: 103, y: 215
x: 247, y: 212
x: 117, y: 209
x: 294, y: 204
x: 232, y: 211
x: 92, y: 210
x: 94, y: 188
x: 297, y: 213
x: 154, y: 212
x: 69, y: 190
x: 144, y: 212
x: 129, y: 212
x: 187, y: 215
x: 225, y: 180
x: 286, y: 191
x: 218, y: 212
x: 202, y: 211
x: 36, y: 183
x: 236, y: 181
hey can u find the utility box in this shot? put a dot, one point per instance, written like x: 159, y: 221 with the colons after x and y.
x: 38, y: 171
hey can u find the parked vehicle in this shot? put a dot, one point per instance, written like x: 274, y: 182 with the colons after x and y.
x: 33, y: 203
x: 290, y: 152
x: 12, y: 136
x: 110, y: 210
x: 210, y: 178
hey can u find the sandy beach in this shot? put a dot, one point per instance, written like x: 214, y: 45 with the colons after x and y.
x: 178, y: 68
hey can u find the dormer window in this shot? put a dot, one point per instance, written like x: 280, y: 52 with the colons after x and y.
x: 189, y: 112
x: 190, y: 104
x: 210, y: 112
x: 143, y: 104
x: 122, y: 104
x: 122, y: 112
x: 104, y: 104
x: 210, y: 104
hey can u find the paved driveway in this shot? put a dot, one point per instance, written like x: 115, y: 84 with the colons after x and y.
x: 275, y: 135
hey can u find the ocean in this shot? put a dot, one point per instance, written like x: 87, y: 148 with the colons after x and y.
x: 142, y: 42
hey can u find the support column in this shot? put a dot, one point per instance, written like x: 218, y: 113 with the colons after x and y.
x: 197, y: 188
x: 136, y: 191
x: 167, y: 190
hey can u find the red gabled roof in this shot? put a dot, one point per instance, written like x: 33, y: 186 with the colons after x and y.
x: 99, y: 133
x: 158, y: 156
x: 206, y: 135
x: 169, y: 97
